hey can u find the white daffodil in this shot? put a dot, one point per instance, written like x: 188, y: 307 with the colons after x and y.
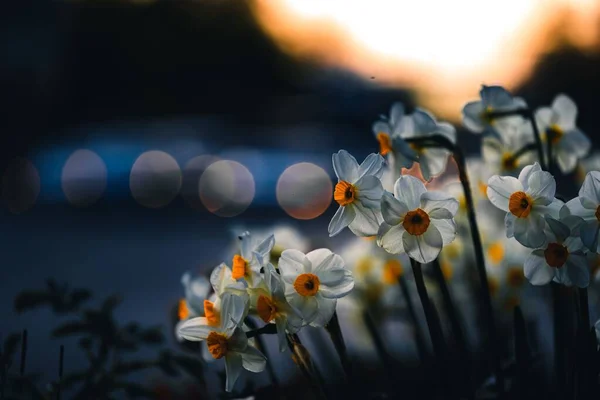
x: 270, y: 304
x: 561, y: 259
x: 526, y: 200
x: 252, y: 257
x: 557, y: 123
x: 227, y: 339
x: 391, y: 144
x: 477, y: 114
x: 587, y: 206
x: 358, y: 192
x: 500, y: 153
x: 588, y: 164
x: 416, y: 222
x: 314, y: 282
x: 286, y: 236
x: 196, y: 289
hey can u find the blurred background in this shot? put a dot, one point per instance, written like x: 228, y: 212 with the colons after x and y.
x: 137, y: 135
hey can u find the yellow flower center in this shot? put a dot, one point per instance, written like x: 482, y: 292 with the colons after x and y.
x: 416, y: 222
x: 509, y: 162
x: 447, y: 270
x: 240, y: 267
x: 385, y: 143
x: 276, y: 253
x: 217, y: 345
x: 556, y: 133
x: 515, y: 277
x: 211, y: 315
x: 486, y: 115
x: 496, y: 252
x: 364, y: 266
x: 307, y: 284
x: 344, y: 193
x: 556, y: 255
x: 266, y: 308
x: 183, y: 311
x: 520, y: 204
x: 392, y: 270
x: 482, y: 188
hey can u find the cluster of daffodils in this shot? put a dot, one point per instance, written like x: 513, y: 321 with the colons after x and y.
x: 302, y: 290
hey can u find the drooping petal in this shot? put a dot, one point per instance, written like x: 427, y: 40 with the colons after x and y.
x: 409, y: 189
x: 293, y: 263
x: 566, y: 109
x: 392, y: 209
x: 341, y: 219
x: 372, y: 165
x: 366, y: 222
x: 471, y: 116
x: 345, y: 166
x: 369, y: 190
x: 578, y: 270
x: 253, y: 360
x: 536, y: 270
x: 500, y: 188
x: 390, y: 238
x: 233, y: 368
x: 439, y: 205
x: 423, y: 248
x: 447, y: 228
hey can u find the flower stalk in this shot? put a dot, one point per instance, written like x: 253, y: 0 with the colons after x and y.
x: 335, y: 333
x: 419, y: 337
x: 301, y: 357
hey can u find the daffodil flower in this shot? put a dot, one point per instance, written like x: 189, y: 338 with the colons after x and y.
x: 587, y: 206
x: 227, y: 339
x: 358, y: 192
x: 526, y: 200
x: 388, y: 133
x: 569, y: 144
x: 561, y: 259
x: 313, y: 283
x: 270, y: 304
x: 499, y: 153
x: 477, y: 114
x: 416, y: 222
x: 252, y: 257
x: 197, y: 290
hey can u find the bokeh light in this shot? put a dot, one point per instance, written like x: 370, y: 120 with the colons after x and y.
x: 20, y: 185
x: 226, y: 188
x: 192, y: 172
x: 304, y: 190
x: 155, y: 179
x: 83, y: 178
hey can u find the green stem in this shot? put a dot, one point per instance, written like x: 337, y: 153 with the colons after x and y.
x: 268, y: 329
x: 584, y: 308
x: 442, y: 141
x: 304, y: 362
x: 335, y: 333
x: 260, y: 342
x: 559, y: 351
x: 419, y: 336
x: 386, y: 359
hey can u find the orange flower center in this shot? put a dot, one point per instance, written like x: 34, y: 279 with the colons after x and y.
x: 598, y: 213
x: 556, y: 255
x: 392, y: 270
x: 556, y: 133
x: 447, y: 270
x: 307, y: 284
x: 482, y: 189
x: 183, y: 310
x: 344, y: 193
x: 520, y: 204
x: 515, y: 277
x: 211, y: 315
x: 416, y: 222
x: 496, y: 252
x: 266, y: 308
x: 239, y: 267
x: 385, y: 143
x: 217, y: 344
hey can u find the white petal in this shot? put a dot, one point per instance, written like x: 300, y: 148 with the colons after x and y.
x: 381, y: 127
x: 195, y: 329
x: 541, y: 187
x: 396, y: 112
x: 558, y: 228
x: 336, y: 283
x: 326, y: 310
x: 509, y: 224
x: 491, y: 150
x: 424, y: 168
x: 576, y: 208
x: 293, y: 263
x: 341, y: 219
x: 500, y: 188
x: 566, y: 110
x: 409, y: 189
x: 253, y: 360
x: 345, y: 166
x: 545, y: 117
x: 526, y: 173
x: 577, y: 270
x: 590, y: 189
x: 323, y: 259
x: 366, y: 222
x: 566, y: 160
x: 536, y: 270
x: 446, y: 129
x: 306, y: 306
x: 447, y: 228
x: 372, y: 165
x: 423, y: 248
x: 435, y: 159
x: 439, y: 204
x: 575, y: 142
x: 471, y: 114
x: 233, y: 368
x: 264, y: 249
x: 392, y: 210
x: 496, y: 97
x: 589, y: 234
x: 369, y: 190
x: 281, y: 323
x: 390, y: 238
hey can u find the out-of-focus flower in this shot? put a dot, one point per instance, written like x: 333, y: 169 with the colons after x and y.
x: 416, y: 222
x: 227, y: 340
x: 196, y: 289
x: 477, y: 114
x: 587, y: 206
x: 526, y: 200
x: 269, y: 302
x: 557, y: 123
x: 252, y: 257
x: 358, y: 192
x: 588, y: 164
x: 561, y: 259
x: 391, y: 144
x: 313, y: 282
x: 506, y: 277
x: 499, y: 153
x: 286, y: 237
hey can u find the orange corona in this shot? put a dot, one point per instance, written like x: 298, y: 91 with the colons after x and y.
x: 217, y: 345
x: 307, y: 284
x: 266, y: 308
x: 520, y: 204
x: 556, y: 255
x: 344, y: 193
x: 416, y: 222
x: 385, y: 143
